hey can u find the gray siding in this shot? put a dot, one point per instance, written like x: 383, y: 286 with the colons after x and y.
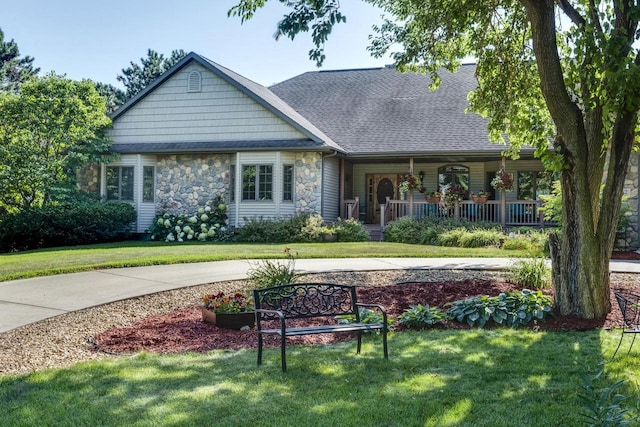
x: 330, y: 189
x: 219, y: 112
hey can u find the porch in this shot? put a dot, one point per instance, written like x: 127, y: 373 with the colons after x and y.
x: 505, y: 212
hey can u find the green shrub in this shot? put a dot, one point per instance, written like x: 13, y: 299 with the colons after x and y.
x: 265, y: 230
x: 403, y: 230
x: 366, y: 316
x: 350, y: 230
x: 531, y: 273
x: 267, y: 273
x: 308, y: 228
x: 71, y: 223
x: 480, y: 238
x: 421, y: 316
x: 509, y: 309
x: 207, y: 223
x: 451, y: 237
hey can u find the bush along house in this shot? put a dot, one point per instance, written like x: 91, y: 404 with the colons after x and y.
x: 374, y: 144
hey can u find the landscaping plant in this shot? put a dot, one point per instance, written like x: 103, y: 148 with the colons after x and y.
x: 421, y: 316
x: 266, y: 273
x: 531, y: 273
x: 207, y: 223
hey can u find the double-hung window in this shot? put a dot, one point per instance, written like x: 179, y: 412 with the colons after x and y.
x: 120, y: 183
x: 287, y: 183
x: 257, y: 182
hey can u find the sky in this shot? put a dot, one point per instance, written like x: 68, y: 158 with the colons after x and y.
x: 96, y: 40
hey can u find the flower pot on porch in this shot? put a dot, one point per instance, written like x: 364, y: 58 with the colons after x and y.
x: 432, y: 199
x: 229, y: 320
x: 479, y: 199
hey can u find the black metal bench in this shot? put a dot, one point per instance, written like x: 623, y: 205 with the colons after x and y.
x: 629, y: 304
x: 312, y: 300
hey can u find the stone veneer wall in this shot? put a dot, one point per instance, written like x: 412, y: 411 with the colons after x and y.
x: 185, y: 182
x: 308, y: 182
x: 629, y: 239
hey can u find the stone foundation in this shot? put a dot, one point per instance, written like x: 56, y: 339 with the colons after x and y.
x: 308, y: 182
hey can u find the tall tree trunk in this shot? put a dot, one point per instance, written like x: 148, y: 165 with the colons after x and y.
x: 581, y: 256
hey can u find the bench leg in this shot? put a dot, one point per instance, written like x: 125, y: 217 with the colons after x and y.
x: 259, y: 349
x: 632, y: 341
x: 359, y: 342
x: 384, y: 343
x: 283, y: 353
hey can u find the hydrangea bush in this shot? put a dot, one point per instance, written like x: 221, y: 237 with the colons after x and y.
x: 207, y: 223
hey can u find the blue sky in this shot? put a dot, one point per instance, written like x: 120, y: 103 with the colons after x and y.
x: 96, y: 40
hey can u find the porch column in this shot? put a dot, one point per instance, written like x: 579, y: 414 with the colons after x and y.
x: 411, y: 191
x: 503, y: 198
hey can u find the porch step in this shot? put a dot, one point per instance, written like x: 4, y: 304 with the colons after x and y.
x: 375, y: 232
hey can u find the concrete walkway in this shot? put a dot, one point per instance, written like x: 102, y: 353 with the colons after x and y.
x: 30, y: 300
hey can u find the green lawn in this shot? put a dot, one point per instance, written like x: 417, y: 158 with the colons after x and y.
x: 130, y: 254
x: 500, y: 377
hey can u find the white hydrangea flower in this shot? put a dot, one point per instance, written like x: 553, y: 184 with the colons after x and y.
x: 193, y: 219
x: 170, y: 237
x: 189, y: 236
x: 202, y: 237
x: 167, y: 223
x: 211, y: 232
x: 204, y: 217
x: 207, y: 209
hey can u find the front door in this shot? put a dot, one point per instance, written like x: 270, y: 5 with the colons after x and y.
x: 379, y: 187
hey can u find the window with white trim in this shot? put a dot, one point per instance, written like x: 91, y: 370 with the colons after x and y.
x: 287, y: 183
x: 120, y: 183
x: 148, y: 183
x: 257, y: 182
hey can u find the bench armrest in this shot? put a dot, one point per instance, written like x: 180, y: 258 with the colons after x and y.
x: 377, y: 306
x: 280, y: 314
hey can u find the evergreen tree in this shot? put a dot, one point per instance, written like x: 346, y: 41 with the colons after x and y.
x: 13, y: 69
x: 138, y: 76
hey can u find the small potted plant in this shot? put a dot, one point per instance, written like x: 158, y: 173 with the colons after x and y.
x: 455, y: 193
x: 233, y: 311
x: 433, y: 197
x: 480, y: 197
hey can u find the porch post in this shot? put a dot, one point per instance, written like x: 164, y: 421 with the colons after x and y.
x: 503, y: 198
x: 341, y: 189
x: 411, y: 191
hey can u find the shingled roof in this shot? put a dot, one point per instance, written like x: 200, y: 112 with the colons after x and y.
x: 381, y: 110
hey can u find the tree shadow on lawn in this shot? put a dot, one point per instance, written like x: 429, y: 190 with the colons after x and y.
x: 438, y: 377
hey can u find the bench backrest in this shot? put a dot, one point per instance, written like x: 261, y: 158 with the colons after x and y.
x: 302, y: 300
x: 629, y: 304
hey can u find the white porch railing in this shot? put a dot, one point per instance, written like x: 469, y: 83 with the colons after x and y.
x: 510, y: 213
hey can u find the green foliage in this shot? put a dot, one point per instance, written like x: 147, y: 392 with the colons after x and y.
x: 137, y: 77
x: 509, y: 308
x: 77, y: 223
x: 421, y: 316
x: 266, y: 273
x: 207, y: 223
x: 531, y: 273
x: 602, y: 407
x: 114, y: 97
x: 350, y: 230
x: 299, y: 228
x: 403, y: 230
x: 14, y: 69
x: 49, y: 129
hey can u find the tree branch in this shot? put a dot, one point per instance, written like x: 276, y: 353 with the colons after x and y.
x: 572, y: 13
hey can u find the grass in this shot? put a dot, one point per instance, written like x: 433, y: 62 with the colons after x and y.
x: 499, y: 377
x: 136, y: 253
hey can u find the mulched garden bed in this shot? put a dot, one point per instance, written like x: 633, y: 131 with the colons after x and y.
x: 183, y: 330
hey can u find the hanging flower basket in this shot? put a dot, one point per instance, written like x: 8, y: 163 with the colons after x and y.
x: 503, y: 181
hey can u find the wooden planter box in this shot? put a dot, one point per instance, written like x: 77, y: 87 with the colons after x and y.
x: 229, y: 320
x: 432, y: 199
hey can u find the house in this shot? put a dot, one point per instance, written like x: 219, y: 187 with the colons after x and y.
x: 336, y: 143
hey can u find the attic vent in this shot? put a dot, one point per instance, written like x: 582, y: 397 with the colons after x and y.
x: 194, y: 83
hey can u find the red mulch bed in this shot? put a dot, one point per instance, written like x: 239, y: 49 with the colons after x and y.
x: 628, y: 256
x: 183, y: 330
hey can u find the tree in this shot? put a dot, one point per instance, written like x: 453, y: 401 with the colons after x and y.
x: 114, y: 97
x: 137, y: 77
x: 52, y: 126
x: 13, y: 68
x: 564, y: 71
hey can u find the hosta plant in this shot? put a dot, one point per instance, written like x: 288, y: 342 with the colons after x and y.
x: 421, y: 316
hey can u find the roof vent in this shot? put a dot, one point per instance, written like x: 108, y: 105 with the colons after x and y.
x: 194, y: 83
